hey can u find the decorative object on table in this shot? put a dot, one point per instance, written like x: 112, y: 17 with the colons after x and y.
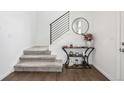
x: 77, y: 54
x: 71, y: 45
x: 76, y: 62
x: 71, y: 53
x: 70, y: 63
x: 88, y: 39
x: 80, y: 26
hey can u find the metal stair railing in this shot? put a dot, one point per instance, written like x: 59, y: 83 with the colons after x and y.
x: 59, y: 27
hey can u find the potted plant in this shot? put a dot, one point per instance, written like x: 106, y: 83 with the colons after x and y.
x: 88, y: 39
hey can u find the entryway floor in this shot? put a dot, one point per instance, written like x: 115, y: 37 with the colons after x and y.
x: 67, y: 75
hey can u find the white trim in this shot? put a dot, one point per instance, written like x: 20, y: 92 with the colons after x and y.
x: 6, y: 74
x: 103, y: 72
x: 118, y: 55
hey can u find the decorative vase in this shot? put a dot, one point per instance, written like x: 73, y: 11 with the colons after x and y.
x: 89, y: 43
x: 71, y: 53
x: 70, y: 63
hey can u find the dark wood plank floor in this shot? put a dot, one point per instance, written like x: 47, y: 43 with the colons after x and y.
x: 67, y: 75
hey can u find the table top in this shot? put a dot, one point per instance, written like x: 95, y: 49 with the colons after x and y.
x: 68, y: 47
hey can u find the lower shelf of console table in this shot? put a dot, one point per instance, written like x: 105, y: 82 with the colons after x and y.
x: 79, y: 66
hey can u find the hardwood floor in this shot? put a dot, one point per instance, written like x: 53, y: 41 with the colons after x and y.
x: 67, y: 75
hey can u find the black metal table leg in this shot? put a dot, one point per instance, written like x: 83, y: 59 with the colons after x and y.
x: 67, y: 59
x: 87, y: 56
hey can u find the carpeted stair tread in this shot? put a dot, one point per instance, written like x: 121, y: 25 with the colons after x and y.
x: 37, y: 56
x: 39, y: 64
x: 37, y: 51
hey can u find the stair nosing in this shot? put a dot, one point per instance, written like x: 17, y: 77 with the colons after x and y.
x: 27, y: 64
x: 38, y: 56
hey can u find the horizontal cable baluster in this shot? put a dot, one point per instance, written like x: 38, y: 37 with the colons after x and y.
x: 65, y: 30
x: 55, y: 25
x: 59, y: 27
x: 60, y: 20
x: 60, y: 17
x: 60, y: 30
x: 59, y: 36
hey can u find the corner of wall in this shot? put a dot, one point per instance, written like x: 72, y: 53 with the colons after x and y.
x: 7, y: 73
x: 104, y: 73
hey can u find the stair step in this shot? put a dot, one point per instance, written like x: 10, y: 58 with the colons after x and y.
x: 49, y: 58
x: 42, y: 48
x: 38, y: 46
x: 37, y: 50
x: 40, y: 66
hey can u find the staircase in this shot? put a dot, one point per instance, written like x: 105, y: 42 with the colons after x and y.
x: 38, y: 58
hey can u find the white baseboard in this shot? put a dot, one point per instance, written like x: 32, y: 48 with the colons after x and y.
x: 6, y: 74
x: 103, y: 72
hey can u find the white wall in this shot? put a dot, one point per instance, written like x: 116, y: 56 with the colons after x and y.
x: 105, y: 32
x: 104, y: 26
x: 70, y: 37
x: 44, y: 20
x: 16, y: 33
x: 19, y: 30
x: 121, y: 46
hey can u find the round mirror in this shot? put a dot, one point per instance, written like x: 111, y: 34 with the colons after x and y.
x: 80, y: 26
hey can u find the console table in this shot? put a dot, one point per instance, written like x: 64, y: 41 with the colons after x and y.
x: 85, y: 56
